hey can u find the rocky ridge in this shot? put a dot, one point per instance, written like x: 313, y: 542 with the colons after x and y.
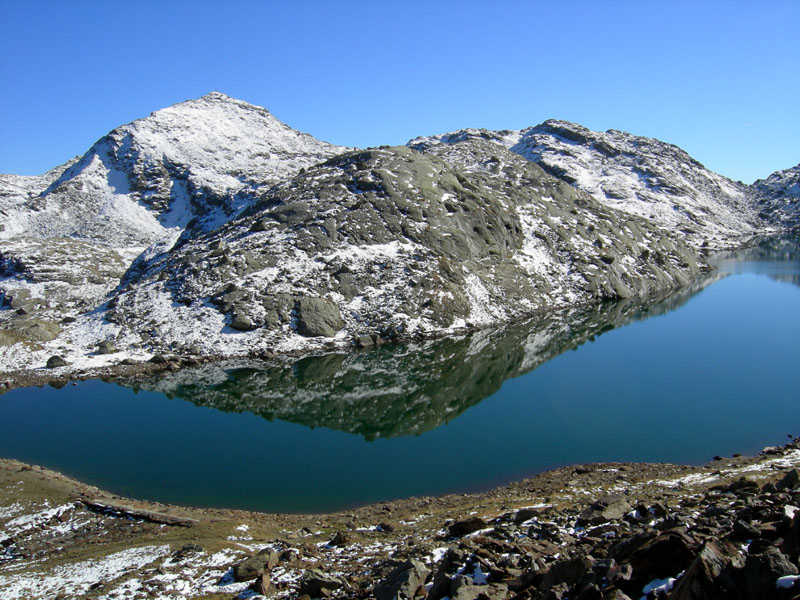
x: 211, y: 228
x: 198, y: 162
x: 636, y: 175
x: 396, y: 244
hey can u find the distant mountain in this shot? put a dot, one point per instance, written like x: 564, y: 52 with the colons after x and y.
x: 778, y: 197
x: 211, y: 227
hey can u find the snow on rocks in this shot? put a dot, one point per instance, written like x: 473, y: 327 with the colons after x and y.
x: 210, y: 227
x: 778, y: 197
x: 367, y: 242
x: 78, y: 578
x: 640, y: 176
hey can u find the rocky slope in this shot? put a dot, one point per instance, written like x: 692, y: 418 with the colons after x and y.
x: 636, y: 175
x: 397, y: 244
x: 778, y: 197
x: 211, y: 228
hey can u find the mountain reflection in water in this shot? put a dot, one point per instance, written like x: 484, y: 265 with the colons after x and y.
x: 407, y: 389
x: 716, y: 376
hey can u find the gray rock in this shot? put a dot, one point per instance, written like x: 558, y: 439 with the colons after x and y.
x: 242, y: 323
x: 250, y: 568
x: 316, y: 583
x: 711, y: 574
x: 403, y: 582
x: 568, y: 572
x: 318, y: 317
x: 790, y: 481
x: 762, y: 570
x: 664, y: 556
x: 609, y: 508
x: 342, y: 538
x: 55, y: 362
x: 262, y: 584
x: 106, y: 347
x: 461, y: 528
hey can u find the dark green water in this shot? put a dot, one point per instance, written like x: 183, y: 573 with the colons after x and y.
x: 711, y: 370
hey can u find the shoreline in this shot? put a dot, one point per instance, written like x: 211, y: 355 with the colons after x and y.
x: 54, y: 526
x: 153, y: 362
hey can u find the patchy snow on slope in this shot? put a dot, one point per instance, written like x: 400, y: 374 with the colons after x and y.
x: 78, y: 578
x: 644, y: 177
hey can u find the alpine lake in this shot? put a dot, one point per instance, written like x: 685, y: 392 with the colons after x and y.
x: 709, y: 370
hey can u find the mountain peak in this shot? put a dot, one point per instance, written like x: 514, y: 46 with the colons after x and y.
x: 215, y: 95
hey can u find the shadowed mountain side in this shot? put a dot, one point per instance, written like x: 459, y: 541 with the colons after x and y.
x: 401, y: 390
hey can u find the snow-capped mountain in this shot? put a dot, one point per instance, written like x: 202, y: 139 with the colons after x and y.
x: 778, y: 197
x: 68, y: 237
x: 636, y: 175
x: 212, y: 228
x: 199, y: 161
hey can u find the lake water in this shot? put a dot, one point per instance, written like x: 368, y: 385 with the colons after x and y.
x: 710, y: 370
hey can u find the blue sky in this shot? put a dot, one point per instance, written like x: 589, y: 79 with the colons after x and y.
x: 719, y: 79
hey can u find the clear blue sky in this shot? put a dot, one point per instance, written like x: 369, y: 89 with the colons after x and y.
x: 719, y: 79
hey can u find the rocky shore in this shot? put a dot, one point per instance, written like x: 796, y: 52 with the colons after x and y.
x: 725, y: 530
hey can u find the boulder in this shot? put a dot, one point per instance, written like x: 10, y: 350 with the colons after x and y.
x: 55, y: 362
x: 255, y: 566
x: 261, y: 585
x: 250, y: 568
x: 761, y: 571
x: 790, y: 481
x: 608, y: 508
x: 460, y: 528
x: 568, y: 572
x: 664, y: 556
x: 106, y: 347
x: 316, y: 584
x: 318, y: 317
x: 403, y: 582
x: 712, y: 574
x: 242, y: 322
x: 451, y: 562
x: 341, y: 538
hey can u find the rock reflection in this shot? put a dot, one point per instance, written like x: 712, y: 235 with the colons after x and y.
x: 407, y: 389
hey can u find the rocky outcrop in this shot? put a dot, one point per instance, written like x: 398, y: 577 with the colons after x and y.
x: 778, y: 198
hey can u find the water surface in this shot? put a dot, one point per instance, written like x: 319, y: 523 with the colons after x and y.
x: 710, y: 370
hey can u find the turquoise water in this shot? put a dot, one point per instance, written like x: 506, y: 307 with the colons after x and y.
x: 709, y: 371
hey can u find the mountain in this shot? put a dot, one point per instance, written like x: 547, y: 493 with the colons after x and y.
x: 212, y: 228
x: 201, y: 160
x: 639, y: 176
x: 395, y: 243
x: 68, y: 237
x: 778, y: 197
